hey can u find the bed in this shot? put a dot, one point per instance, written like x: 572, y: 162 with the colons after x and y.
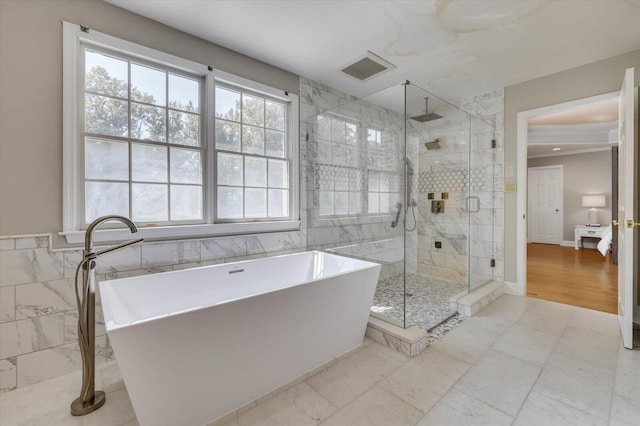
x: 604, y: 245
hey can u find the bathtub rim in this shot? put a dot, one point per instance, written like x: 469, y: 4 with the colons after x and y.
x: 105, y: 287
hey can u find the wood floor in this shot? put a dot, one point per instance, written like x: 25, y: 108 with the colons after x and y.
x: 574, y: 277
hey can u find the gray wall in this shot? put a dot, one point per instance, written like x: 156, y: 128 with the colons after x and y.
x: 587, y: 173
x: 588, y: 80
x: 31, y: 102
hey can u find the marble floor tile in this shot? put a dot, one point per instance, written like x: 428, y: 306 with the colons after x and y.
x: 350, y: 377
x: 376, y: 407
x: 18, y: 408
x: 514, y: 303
x: 423, y: 380
x: 478, y: 373
x: 624, y: 412
x: 459, y: 409
x: 539, y: 410
x: 116, y: 411
x: 387, y: 351
x: 547, y: 317
x: 527, y: 344
x: 627, y: 382
x: 495, y: 319
x: 600, y: 322
x: 467, y: 342
x: 578, y: 383
x: 500, y: 380
x: 300, y: 405
x: 589, y: 346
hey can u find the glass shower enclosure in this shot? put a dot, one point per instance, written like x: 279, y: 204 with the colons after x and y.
x: 405, y: 179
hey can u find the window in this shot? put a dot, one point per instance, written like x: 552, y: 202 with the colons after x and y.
x: 369, y: 183
x: 252, y: 160
x: 182, y: 149
x: 142, y: 140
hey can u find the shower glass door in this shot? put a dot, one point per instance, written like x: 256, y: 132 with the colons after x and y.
x: 405, y: 179
x: 438, y: 140
x: 482, y: 203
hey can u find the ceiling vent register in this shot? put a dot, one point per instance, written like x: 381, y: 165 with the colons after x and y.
x: 368, y: 66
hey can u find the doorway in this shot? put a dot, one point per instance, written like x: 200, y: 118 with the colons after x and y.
x: 568, y: 157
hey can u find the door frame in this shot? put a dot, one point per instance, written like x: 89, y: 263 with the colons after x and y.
x: 520, y: 286
x: 560, y: 202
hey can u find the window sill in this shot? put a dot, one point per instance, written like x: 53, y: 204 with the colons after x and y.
x: 184, y: 231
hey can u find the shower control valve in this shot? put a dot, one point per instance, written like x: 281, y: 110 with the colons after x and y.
x: 437, y: 206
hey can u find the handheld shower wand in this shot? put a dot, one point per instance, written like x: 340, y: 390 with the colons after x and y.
x: 410, y: 201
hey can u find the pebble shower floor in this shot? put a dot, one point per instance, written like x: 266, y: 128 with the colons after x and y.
x: 427, y: 299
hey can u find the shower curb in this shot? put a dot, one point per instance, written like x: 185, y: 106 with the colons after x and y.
x: 409, y: 341
x: 479, y: 298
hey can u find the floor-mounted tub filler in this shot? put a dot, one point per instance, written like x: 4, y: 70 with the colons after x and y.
x: 196, y: 344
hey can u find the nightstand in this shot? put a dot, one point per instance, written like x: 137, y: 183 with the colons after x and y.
x: 587, y: 232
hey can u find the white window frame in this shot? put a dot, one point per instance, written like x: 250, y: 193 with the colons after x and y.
x: 73, y: 95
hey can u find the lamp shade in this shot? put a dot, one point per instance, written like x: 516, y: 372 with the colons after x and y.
x: 593, y: 201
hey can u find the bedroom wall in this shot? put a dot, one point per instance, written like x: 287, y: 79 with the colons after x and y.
x: 586, y: 173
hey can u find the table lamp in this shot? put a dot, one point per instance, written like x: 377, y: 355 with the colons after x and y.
x: 593, y: 201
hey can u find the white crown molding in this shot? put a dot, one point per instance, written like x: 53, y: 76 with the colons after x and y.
x: 577, y: 151
x: 592, y: 133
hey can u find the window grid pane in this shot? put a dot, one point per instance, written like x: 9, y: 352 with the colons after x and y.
x: 251, y: 145
x: 340, y: 172
x: 147, y: 108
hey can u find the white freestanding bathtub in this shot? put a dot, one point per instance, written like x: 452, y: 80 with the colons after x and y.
x: 193, y: 345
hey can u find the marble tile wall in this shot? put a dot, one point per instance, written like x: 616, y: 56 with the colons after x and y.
x: 465, y: 148
x: 38, y: 317
x: 333, y: 164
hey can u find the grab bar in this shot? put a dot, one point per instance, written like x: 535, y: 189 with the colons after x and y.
x: 395, y: 222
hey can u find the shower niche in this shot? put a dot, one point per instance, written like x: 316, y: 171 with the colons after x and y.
x: 389, y: 177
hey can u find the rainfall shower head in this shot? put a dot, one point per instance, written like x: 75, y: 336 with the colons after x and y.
x: 427, y: 116
x: 434, y: 144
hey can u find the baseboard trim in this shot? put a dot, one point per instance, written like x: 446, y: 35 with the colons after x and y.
x: 568, y: 243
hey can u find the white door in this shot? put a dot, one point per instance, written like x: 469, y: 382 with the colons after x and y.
x: 626, y: 215
x: 545, y: 204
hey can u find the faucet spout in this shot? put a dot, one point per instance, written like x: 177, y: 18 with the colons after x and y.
x: 88, y: 237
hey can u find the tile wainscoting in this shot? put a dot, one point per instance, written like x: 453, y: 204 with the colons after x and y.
x: 38, y: 315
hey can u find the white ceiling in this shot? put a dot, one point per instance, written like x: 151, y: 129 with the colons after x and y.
x: 453, y: 48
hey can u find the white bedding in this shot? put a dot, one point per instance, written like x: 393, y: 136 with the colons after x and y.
x: 605, y: 241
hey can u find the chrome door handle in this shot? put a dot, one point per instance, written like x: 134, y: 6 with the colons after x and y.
x: 477, y: 209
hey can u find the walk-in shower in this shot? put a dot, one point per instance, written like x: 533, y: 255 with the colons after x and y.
x: 403, y: 178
